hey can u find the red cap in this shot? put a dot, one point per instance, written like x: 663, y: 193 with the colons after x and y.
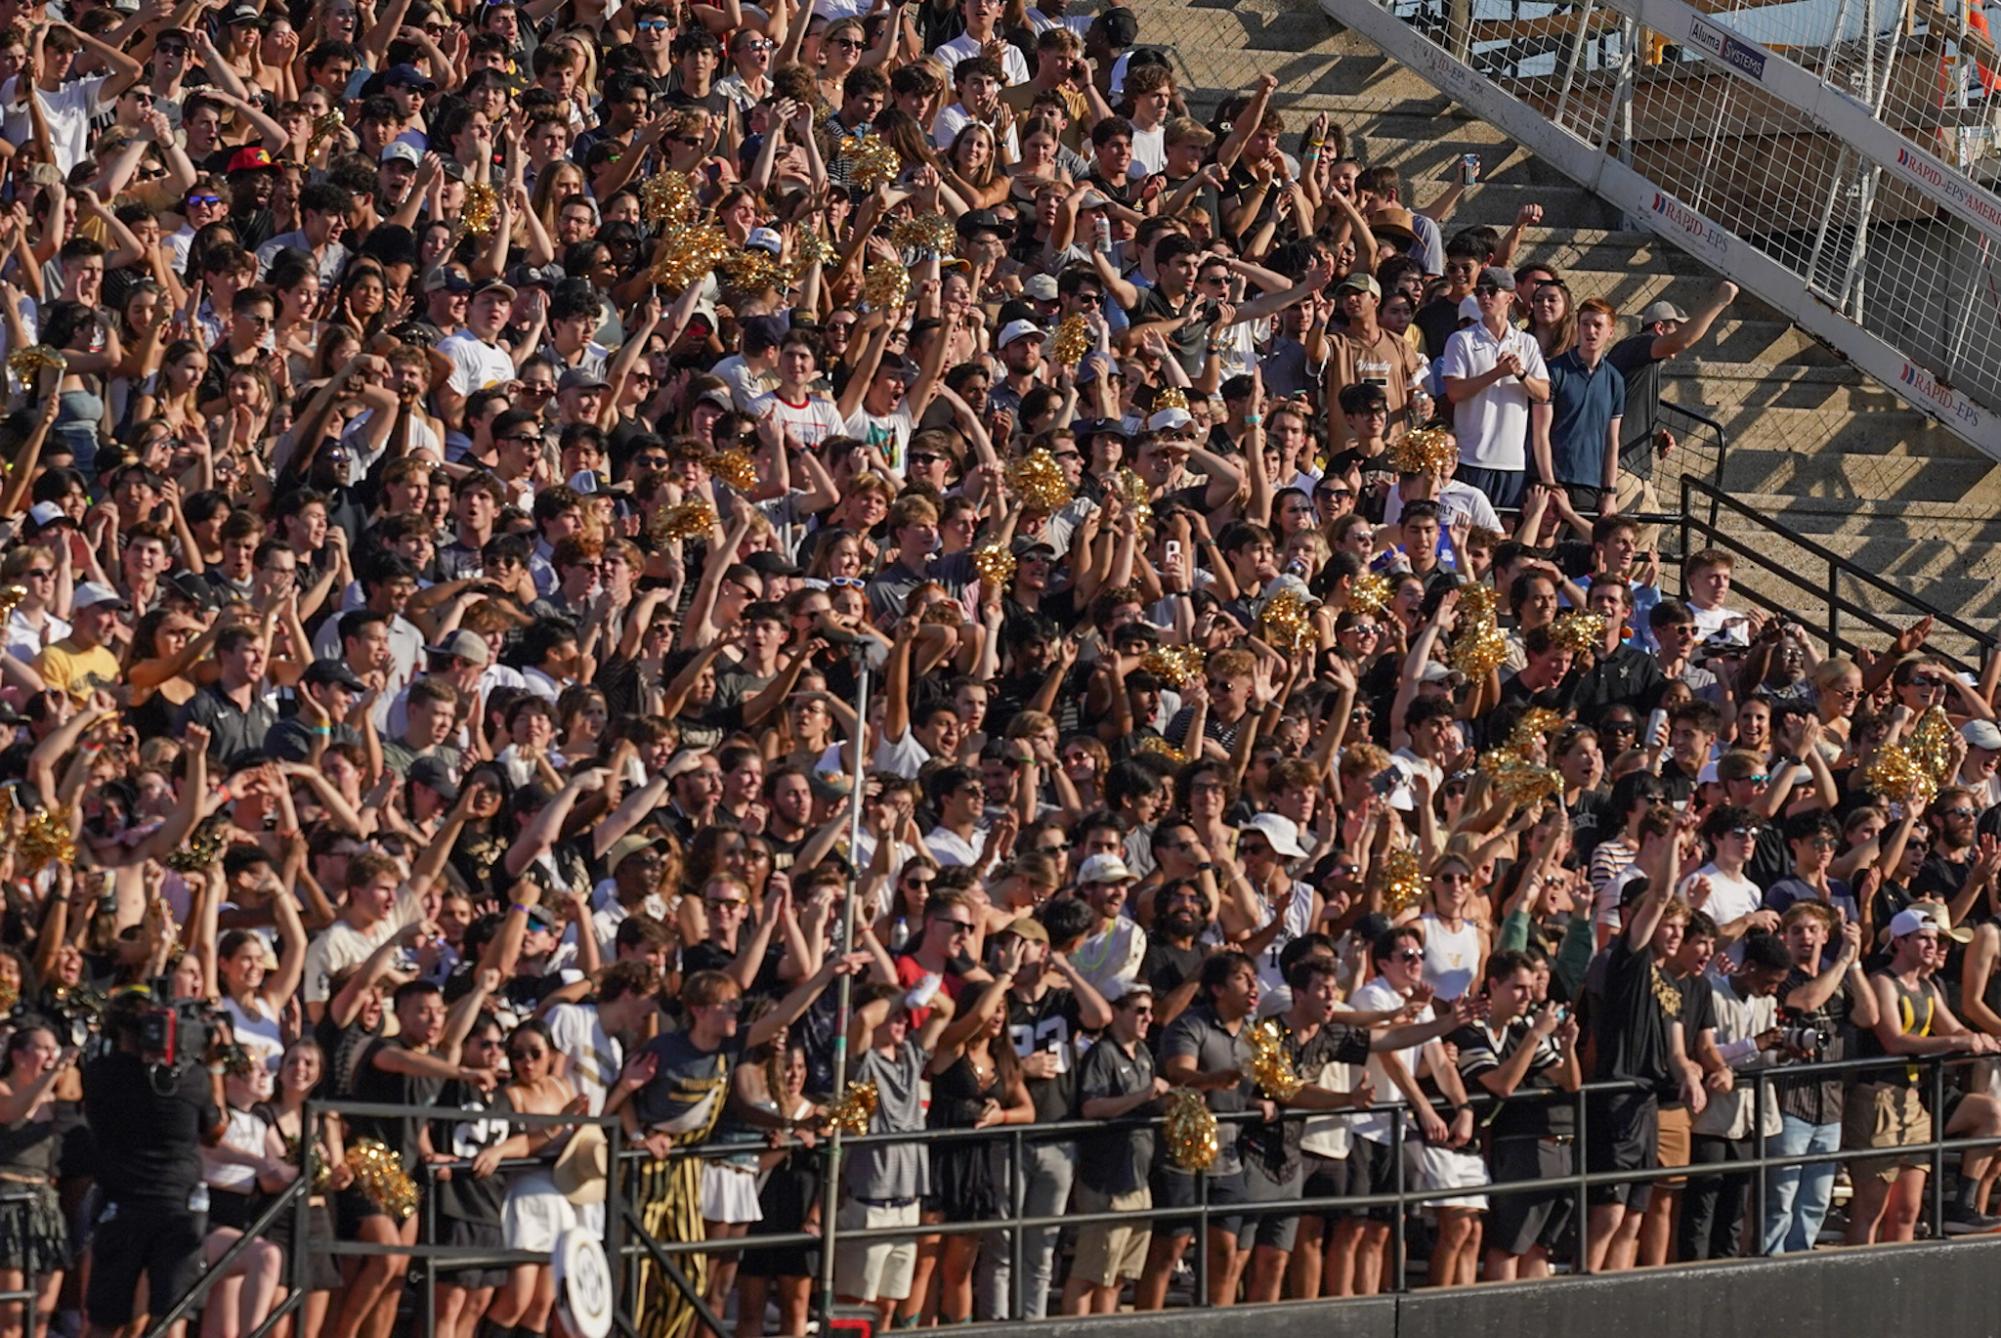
x: 250, y: 159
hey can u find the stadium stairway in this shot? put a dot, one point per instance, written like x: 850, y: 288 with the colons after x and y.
x: 1812, y: 442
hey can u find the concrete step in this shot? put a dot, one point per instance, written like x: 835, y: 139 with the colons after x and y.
x: 1841, y: 469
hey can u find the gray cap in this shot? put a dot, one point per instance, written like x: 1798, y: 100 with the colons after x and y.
x: 1662, y: 310
x: 1497, y: 276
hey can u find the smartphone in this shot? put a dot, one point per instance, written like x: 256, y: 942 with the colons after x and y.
x: 1657, y: 727
x: 1384, y: 781
x: 1469, y: 168
x: 1172, y: 550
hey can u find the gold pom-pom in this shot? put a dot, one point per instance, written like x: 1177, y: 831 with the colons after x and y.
x: 736, y: 468
x: 1517, y: 780
x: 27, y: 363
x: 752, y: 270
x: 872, y: 162
x: 1931, y: 745
x: 1578, y: 631
x: 1533, y: 728
x: 1170, y: 397
x: 1286, y: 623
x: 202, y: 850
x: 1138, y: 498
x: 808, y: 250
x: 1428, y: 450
x: 885, y: 286
x: 1402, y: 880
x: 1190, y: 1130
x: 10, y: 598
x: 1039, y: 482
x: 1478, y: 648
x: 688, y: 254
x: 685, y: 520
x: 1271, y: 1066
x: 1176, y: 666
x: 325, y: 128
x: 381, y: 1178
x: 923, y: 232
x: 1071, y: 342
x: 482, y: 210
x: 1160, y: 747
x: 47, y: 839
x: 1915, y: 768
x: 852, y: 1113
x: 668, y: 200
x: 995, y: 564
x: 1370, y: 594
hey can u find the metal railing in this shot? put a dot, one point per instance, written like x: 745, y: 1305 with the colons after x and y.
x: 1784, y: 555
x: 627, y: 1243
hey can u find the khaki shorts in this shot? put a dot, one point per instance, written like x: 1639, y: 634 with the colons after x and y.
x: 1672, y: 1144
x: 1885, y: 1115
x: 1110, y: 1251
x: 875, y: 1269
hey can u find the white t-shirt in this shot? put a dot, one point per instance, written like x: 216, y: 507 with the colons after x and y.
x: 1708, y: 622
x: 1492, y: 426
x: 949, y: 121
x: 888, y: 433
x: 812, y: 422
x: 67, y: 111
x: 1150, y: 148
x: 342, y: 945
x: 1014, y: 69
x: 1454, y: 500
x: 476, y: 364
x: 949, y: 848
x: 1110, y: 959
x: 1380, y: 994
x: 595, y: 1055
x: 1731, y: 896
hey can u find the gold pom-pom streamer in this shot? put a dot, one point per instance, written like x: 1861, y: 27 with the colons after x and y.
x: 1072, y: 341
x: 1402, y: 880
x: 885, y: 286
x: 668, y: 200
x: 736, y: 468
x: 381, y: 1178
x: 852, y: 1113
x: 1428, y: 450
x: 1038, y: 481
x: 687, y: 255
x: 1287, y: 621
x: 47, y: 839
x: 1190, y: 1130
x: 1931, y: 746
x: 325, y: 128
x: 1271, y: 1066
x: 1517, y: 780
x: 685, y: 520
x: 1578, y: 631
x: 995, y: 564
x: 10, y: 598
x: 1160, y: 747
x: 26, y: 363
x: 809, y: 250
x: 482, y: 210
x: 1138, y: 498
x: 202, y: 850
x: 1477, y: 646
x: 872, y: 162
x: 923, y: 232
x: 1371, y: 594
x: 1170, y: 398
x: 1915, y: 768
x: 1533, y: 727
x: 753, y: 269
x: 1176, y: 666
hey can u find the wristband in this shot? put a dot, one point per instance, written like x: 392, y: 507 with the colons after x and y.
x: 521, y: 906
x: 324, y: 731
x: 1253, y: 419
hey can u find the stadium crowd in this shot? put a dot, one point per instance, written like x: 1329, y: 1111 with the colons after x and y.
x: 460, y: 461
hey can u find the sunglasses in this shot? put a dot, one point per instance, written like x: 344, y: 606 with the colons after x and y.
x: 652, y: 25
x: 1408, y: 955
x: 957, y: 926
x: 848, y: 583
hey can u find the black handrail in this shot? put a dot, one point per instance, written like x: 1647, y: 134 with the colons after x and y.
x: 1715, y: 429
x: 213, y: 1272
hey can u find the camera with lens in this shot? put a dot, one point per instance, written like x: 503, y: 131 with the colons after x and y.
x: 1803, y: 1038
x: 172, y: 1034
x: 74, y: 1015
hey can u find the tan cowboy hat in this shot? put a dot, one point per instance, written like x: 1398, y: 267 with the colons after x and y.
x: 581, y: 1167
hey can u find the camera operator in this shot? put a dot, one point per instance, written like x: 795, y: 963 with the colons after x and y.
x: 149, y: 1117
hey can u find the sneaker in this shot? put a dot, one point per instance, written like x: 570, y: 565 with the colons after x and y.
x: 1961, y: 1218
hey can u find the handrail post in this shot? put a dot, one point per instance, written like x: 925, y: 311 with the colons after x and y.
x: 1397, y: 1227
x: 1938, y: 1146
x: 614, y: 1215
x: 430, y: 1265
x: 1833, y: 593
x: 1018, y: 1201
x: 1580, y: 1166
x: 302, y: 1212
x: 1201, y: 1239
x: 1758, y: 1142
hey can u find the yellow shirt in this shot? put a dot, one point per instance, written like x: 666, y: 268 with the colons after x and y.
x: 68, y: 668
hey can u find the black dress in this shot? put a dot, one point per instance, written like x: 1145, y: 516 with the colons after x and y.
x: 962, y: 1178
x: 34, y: 1239
x: 788, y: 1195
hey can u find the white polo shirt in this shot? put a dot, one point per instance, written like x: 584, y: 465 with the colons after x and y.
x: 1492, y: 426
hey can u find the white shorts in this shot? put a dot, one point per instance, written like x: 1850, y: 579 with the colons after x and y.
x: 535, y: 1216
x: 729, y: 1194
x: 876, y: 1269
x: 1433, y: 1167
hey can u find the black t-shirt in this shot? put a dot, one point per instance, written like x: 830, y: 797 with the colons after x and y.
x: 1275, y: 1146
x: 401, y: 1135
x: 1631, y: 1022
x: 1698, y: 1014
x: 1634, y: 357
x: 707, y: 956
x: 1438, y: 321
x: 1047, y: 1024
x: 1818, y: 1100
x: 1167, y: 968
x: 148, y: 1128
x: 1117, y: 1160
x: 689, y: 1084
x: 481, y: 1124
x: 1190, y: 342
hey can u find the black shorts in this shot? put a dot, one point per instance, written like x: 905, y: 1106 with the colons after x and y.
x: 472, y: 1236
x: 1372, y: 1169
x: 1179, y: 1189
x: 1518, y: 1221
x: 1274, y: 1230
x: 1327, y: 1178
x: 1623, y: 1133
x: 161, y: 1244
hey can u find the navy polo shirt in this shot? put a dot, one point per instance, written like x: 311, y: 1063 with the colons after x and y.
x: 1583, y: 403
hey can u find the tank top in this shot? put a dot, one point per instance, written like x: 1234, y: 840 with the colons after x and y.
x: 244, y: 1133
x: 1915, y: 1010
x: 29, y: 1151
x: 257, y: 1030
x: 1451, y: 956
